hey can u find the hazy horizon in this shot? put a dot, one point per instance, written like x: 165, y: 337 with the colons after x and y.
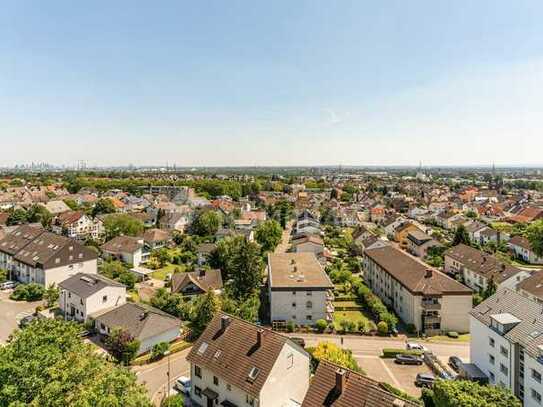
x: 283, y: 84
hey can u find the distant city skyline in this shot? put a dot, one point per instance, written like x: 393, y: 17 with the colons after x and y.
x: 305, y: 83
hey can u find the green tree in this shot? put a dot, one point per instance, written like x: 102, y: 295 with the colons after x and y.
x: 46, y: 364
x: 103, y: 206
x: 205, y: 307
x: 51, y: 295
x: 122, y: 224
x: 17, y: 217
x: 461, y: 393
x: 3, y: 275
x: 461, y: 236
x: 269, y: 234
x: 534, y: 234
x: 28, y: 292
x: 72, y: 204
x: 207, y: 223
x: 39, y: 213
x: 335, y: 354
x: 245, y: 268
x: 159, y: 350
x: 173, y: 401
x: 122, y: 346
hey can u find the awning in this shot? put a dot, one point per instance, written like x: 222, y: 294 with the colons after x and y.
x: 227, y: 403
x: 210, y: 394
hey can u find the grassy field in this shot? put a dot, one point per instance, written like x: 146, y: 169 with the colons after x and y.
x: 354, y: 316
x: 160, y: 274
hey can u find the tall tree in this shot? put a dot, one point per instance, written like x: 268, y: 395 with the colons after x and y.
x: 205, y: 308
x: 207, y: 223
x: 47, y: 364
x: 122, y: 224
x: 103, y: 206
x: 123, y: 346
x: 245, y: 268
x: 462, y: 393
x: 269, y: 234
x: 534, y: 233
x: 461, y: 236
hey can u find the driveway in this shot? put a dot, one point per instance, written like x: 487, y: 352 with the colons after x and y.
x: 11, y: 312
x: 155, y: 375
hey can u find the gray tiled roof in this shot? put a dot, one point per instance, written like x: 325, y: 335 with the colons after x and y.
x: 84, y: 285
x: 529, y: 332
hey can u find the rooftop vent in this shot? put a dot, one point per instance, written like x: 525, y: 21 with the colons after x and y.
x: 429, y: 273
x: 253, y: 374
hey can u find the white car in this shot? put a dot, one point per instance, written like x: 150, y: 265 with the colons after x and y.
x: 183, y: 384
x: 8, y: 285
x: 416, y: 346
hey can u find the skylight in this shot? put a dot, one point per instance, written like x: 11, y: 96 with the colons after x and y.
x: 253, y: 374
x: 202, y: 348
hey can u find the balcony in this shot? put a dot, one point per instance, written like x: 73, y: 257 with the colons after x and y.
x: 431, y: 319
x: 430, y: 305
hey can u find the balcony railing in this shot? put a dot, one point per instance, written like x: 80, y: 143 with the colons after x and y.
x: 430, y: 305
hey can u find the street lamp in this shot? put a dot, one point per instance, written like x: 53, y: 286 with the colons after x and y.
x: 167, y: 353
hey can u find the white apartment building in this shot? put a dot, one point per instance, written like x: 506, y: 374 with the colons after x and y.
x: 507, y: 343
x: 418, y: 294
x: 83, y: 295
x: 237, y: 364
x: 32, y: 255
x: 299, y: 289
x: 477, y: 268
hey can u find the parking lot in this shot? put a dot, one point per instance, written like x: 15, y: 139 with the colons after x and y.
x: 11, y: 312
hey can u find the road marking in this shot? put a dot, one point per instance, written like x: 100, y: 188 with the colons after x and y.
x: 389, y: 372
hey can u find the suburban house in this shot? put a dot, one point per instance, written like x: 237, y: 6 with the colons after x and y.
x: 78, y: 225
x: 419, y: 242
x: 306, y: 223
x: 174, y: 221
x: 156, y: 238
x: 146, y: 324
x: 127, y: 249
x: 32, y: 255
x: 403, y: 231
x: 478, y: 268
x: 197, y: 282
x: 522, y: 248
x: 361, y: 233
x: 310, y: 243
x: 474, y: 230
x: 236, y: 363
x: 299, y: 289
x: 203, y: 252
x: 85, y: 294
x: 507, y: 344
x: 335, y: 386
x: 420, y: 295
x: 527, y: 214
x: 532, y: 287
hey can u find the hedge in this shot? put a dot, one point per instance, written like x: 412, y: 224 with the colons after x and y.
x: 392, y: 352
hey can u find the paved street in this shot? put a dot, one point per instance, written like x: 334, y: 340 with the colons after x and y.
x: 155, y: 376
x: 11, y: 312
x: 283, y: 246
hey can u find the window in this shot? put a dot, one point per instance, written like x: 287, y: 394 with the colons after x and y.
x: 309, y: 304
x: 492, y: 377
x: 197, y: 371
x: 491, y: 359
x: 536, y: 375
x: 198, y: 391
x: 215, y: 380
x: 309, y: 317
x: 504, y: 351
x: 536, y: 396
x: 491, y: 342
x: 249, y: 400
x: 228, y: 387
x: 294, y: 293
x: 504, y: 369
x: 309, y: 293
x: 290, y: 360
x: 104, y: 298
x: 293, y: 305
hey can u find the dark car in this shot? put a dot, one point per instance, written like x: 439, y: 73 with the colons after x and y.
x: 298, y: 341
x: 407, y: 359
x: 456, y: 363
x: 425, y: 380
x: 27, y: 320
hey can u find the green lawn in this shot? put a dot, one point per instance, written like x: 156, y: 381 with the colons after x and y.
x: 354, y: 316
x: 445, y: 338
x: 160, y: 274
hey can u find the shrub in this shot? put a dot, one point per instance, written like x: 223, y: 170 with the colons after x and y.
x: 452, y: 334
x: 321, y: 325
x: 28, y: 292
x: 392, y: 352
x: 291, y: 326
x: 159, y: 350
x: 382, y: 328
x: 173, y: 401
x: 411, y: 328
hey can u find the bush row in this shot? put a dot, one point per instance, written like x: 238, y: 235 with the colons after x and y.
x: 376, y: 306
x: 392, y: 352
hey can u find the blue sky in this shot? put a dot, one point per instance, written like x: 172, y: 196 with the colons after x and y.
x: 272, y: 83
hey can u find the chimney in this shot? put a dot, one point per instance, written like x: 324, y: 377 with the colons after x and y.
x: 225, y: 321
x: 202, y: 273
x: 340, y: 380
x: 259, y: 337
x: 429, y: 273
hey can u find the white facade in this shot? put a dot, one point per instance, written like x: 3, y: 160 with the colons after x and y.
x: 75, y: 307
x: 84, y: 227
x: 303, y: 307
x: 285, y: 386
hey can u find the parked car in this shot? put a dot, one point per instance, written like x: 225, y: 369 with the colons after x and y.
x: 407, y: 359
x: 298, y: 341
x: 425, y: 380
x: 8, y: 285
x: 27, y: 320
x: 416, y: 346
x: 183, y: 384
x: 456, y: 363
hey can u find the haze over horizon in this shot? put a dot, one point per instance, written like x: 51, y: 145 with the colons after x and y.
x: 287, y: 83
